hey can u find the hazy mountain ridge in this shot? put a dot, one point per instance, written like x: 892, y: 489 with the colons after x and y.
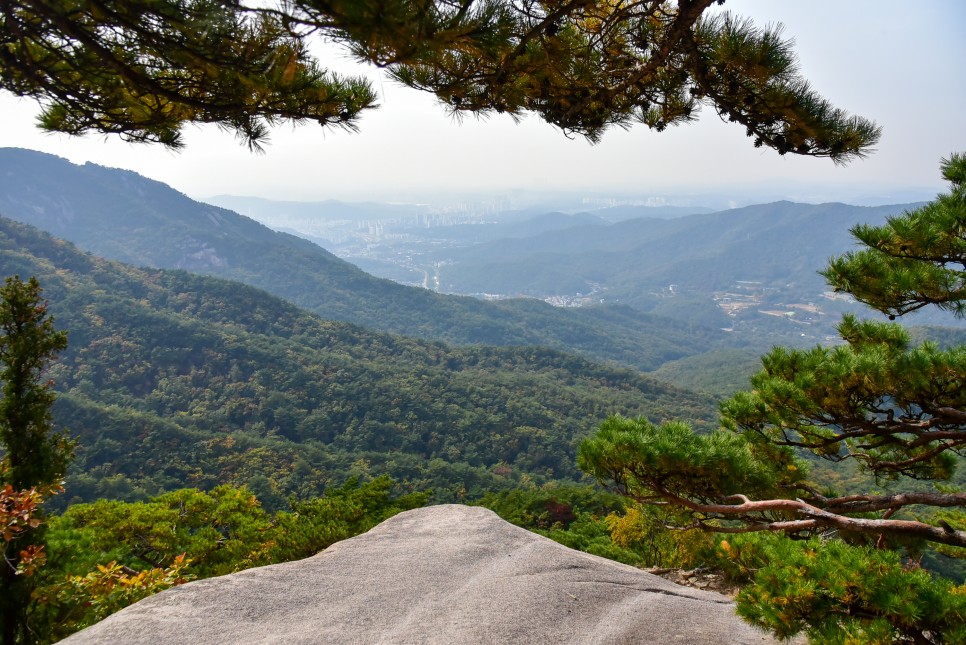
x: 625, y: 212
x: 748, y: 269
x: 769, y: 242
x: 753, y: 270
x: 121, y: 215
x: 354, y: 230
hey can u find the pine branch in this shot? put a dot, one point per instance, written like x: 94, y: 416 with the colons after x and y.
x: 142, y: 69
x: 873, y: 503
x: 813, y: 517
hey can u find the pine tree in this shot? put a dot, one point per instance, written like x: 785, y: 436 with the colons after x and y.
x: 896, y: 409
x: 144, y: 68
x: 34, y: 458
x: 916, y: 260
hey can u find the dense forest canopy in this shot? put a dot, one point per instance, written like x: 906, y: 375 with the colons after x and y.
x: 173, y: 378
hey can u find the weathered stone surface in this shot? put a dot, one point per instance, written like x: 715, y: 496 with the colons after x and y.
x: 443, y: 574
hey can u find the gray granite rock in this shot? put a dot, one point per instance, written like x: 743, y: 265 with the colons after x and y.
x: 442, y: 574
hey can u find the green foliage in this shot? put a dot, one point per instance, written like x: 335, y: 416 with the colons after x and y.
x: 889, y: 405
x: 341, y: 513
x: 143, y: 69
x: 223, y: 530
x: 592, y: 535
x: 552, y: 506
x: 575, y: 516
x: 648, y: 461
x: 220, y: 531
x: 840, y: 593
x: 598, y: 522
x: 643, y: 529
x: 32, y: 457
x: 110, y: 554
x: 85, y: 600
x: 917, y: 259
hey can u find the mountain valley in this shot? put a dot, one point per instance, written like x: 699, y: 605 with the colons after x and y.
x: 175, y: 378
x: 122, y: 216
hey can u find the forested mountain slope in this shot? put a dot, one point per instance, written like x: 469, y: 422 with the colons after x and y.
x: 173, y: 379
x: 120, y: 215
x: 781, y: 245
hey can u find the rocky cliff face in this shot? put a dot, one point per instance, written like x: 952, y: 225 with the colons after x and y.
x: 442, y: 574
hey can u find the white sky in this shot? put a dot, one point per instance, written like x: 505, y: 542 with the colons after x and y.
x: 899, y: 63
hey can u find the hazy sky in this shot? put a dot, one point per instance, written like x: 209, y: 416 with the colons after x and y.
x: 896, y: 62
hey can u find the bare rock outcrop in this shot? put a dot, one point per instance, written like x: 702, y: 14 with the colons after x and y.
x: 442, y: 574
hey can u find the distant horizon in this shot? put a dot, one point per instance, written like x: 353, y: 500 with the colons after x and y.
x: 873, y: 58
x: 709, y: 198
x: 515, y: 197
